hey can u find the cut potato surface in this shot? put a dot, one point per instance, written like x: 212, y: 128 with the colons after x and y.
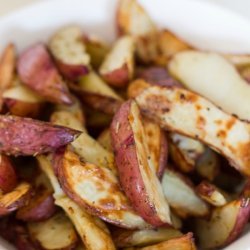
x: 224, y: 226
x: 95, y: 189
x: 213, y: 77
x: 176, y: 187
x: 118, y: 66
x: 136, y: 171
x: 187, y: 113
x: 55, y: 233
x: 69, y: 52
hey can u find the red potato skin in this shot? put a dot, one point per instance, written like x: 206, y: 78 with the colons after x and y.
x: 118, y: 77
x: 126, y: 160
x: 37, y: 70
x: 22, y: 108
x: 8, y: 177
x: 40, y: 208
x: 71, y: 72
x: 157, y: 76
x: 25, y: 136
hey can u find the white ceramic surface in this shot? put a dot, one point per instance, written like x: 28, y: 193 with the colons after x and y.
x: 204, y: 25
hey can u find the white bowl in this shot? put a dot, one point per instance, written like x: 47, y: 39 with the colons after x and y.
x: 204, y: 25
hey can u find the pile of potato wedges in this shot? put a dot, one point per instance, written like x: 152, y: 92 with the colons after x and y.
x: 142, y: 144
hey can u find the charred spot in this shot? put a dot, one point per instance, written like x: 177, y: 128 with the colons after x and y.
x: 201, y: 121
x: 230, y: 123
x: 222, y: 134
x: 157, y: 103
x: 198, y: 107
x: 218, y: 122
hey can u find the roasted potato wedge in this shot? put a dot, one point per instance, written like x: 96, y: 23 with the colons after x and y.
x: 117, y: 68
x: 15, y: 199
x: 8, y: 176
x: 97, y: 50
x: 168, y: 45
x: 184, y: 151
x: 211, y: 194
x: 185, y: 242
x: 82, y: 182
x: 202, y: 71
x: 22, y: 101
x: 37, y: 70
x: 177, y: 186
x: 105, y: 140
x: 187, y: 113
x: 7, y: 66
x: 224, y: 226
x: 24, y: 136
x: 133, y: 20
x: 95, y: 93
x: 93, y: 232
x: 208, y: 165
x: 69, y: 52
x: 40, y: 208
x: 136, y: 171
x: 55, y: 233
x: 128, y: 238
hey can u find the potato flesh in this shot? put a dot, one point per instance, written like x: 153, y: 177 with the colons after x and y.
x: 175, y: 188
x: 187, y: 113
x: 97, y: 189
x: 92, y: 230
x: 54, y: 233
x: 94, y: 84
x: 133, y: 19
x: 67, y: 46
x: 213, y: 77
x: 147, y: 169
x: 121, y: 54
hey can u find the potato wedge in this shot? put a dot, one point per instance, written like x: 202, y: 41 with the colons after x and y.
x: 94, y: 92
x: 97, y: 50
x: 136, y: 172
x: 208, y: 165
x: 185, y: 242
x: 133, y: 20
x: 40, y: 208
x: 15, y: 199
x: 211, y: 194
x: 93, y: 232
x: 224, y: 226
x: 117, y: 68
x: 187, y: 113
x: 168, y: 45
x: 175, y: 187
x: 25, y: 136
x: 69, y: 52
x: 128, y: 238
x: 96, y: 189
x: 105, y: 140
x: 7, y: 66
x: 157, y: 146
x: 22, y: 101
x: 201, y: 72
x: 8, y: 176
x: 55, y: 233
x: 156, y: 75
x: 37, y: 70
x: 184, y: 151
x: 85, y: 146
